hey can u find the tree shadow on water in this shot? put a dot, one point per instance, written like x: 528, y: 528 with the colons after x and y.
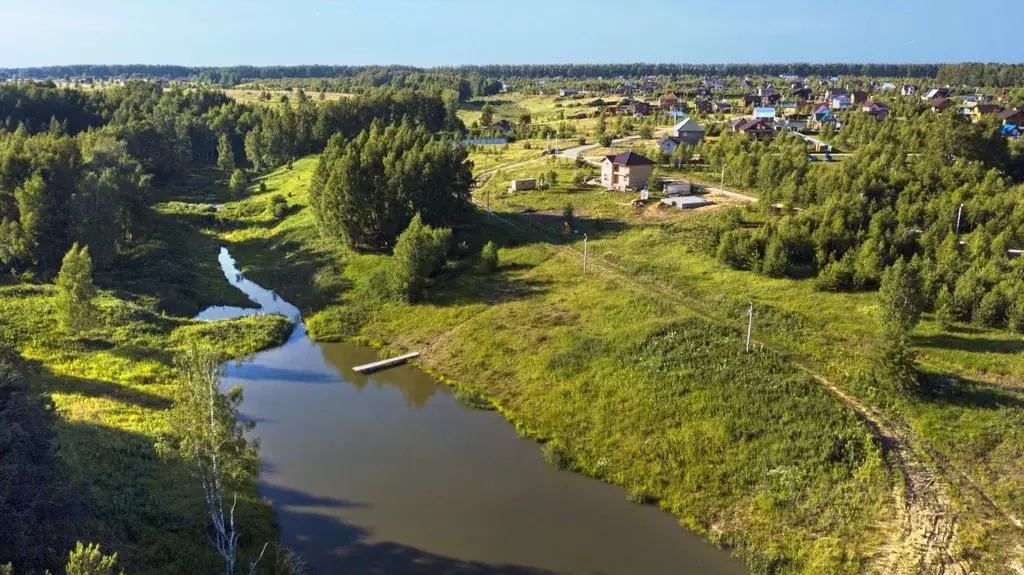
x: 330, y: 545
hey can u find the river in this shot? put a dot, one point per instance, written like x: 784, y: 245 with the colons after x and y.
x: 389, y: 474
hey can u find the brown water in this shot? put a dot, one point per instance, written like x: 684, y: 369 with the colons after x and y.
x: 388, y: 474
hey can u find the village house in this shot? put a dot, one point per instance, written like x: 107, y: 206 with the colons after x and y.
x: 982, y: 110
x: 858, y: 97
x: 887, y: 86
x: 908, y: 89
x: 841, y: 102
x: 641, y: 108
x: 566, y: 92
x: 724, y: 107
x: 788, y: 109
x: 833, y: 93
x: 754, y: 129
x: 497, y: 129
x: 936, y: 93
x: 704, y: 106
x: 689, y: 132
x: 669, y: 144
x: 1012, y: 117
x: 803, y: 92
x: 876, y: 109
x: 765, y: 112
x: 668, y: 102
x: 941, y: 104
x: 626, y: 171
x: 751, y: 100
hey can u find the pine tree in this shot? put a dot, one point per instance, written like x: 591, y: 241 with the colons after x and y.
x: 239, y: 183
x: 89, y: 560
x: 75, y: 291
x: 225, y: 155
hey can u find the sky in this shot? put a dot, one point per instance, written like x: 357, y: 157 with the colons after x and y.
x: 454, y: 32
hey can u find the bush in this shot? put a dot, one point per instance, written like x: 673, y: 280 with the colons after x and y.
x: 90, y: 561
x: 489, y: 257
x: 640, y: 496
x: 568, y: 215
x: 278, y: 206
x: 605, y: 140
x: 556, y: 455
x: 836, y: 276
x: 263, y: 187
x: 239, y: 183
x: 776, y: 259
x: 734, y: 249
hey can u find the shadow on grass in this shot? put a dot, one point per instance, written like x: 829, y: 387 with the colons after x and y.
x: 331, y: 545
x: 176, y: 265
x: 952, y: 390
x: 94, y: 388
x: 970, y: 344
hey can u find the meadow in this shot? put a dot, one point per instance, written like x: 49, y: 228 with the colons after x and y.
x: 654, y: 334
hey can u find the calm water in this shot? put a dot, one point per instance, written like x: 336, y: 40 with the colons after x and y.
x: 388, y: 474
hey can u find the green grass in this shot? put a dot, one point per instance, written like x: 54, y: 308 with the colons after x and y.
x: 557, y: 354
x: 630, y: 388
x: 111, y: 389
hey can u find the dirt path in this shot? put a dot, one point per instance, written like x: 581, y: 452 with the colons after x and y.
x: 923, y: 534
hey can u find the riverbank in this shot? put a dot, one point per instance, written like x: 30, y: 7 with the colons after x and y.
x: 623, y: 385
x: 110, y: 390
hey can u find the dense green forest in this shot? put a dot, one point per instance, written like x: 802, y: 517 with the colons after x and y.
x: 80, y: 166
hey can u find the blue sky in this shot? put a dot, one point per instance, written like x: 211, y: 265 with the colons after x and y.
x: 449, y: 32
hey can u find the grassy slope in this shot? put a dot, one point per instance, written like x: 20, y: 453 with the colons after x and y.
x: 111, y: 390
x: 638, y: 390
x: 504, y: 336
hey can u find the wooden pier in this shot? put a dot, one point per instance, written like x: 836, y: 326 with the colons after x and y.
x: 384, y: 363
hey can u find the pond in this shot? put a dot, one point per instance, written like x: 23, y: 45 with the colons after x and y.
x: 387, y: 473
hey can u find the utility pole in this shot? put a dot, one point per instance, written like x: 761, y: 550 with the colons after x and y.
x: 959, y: 214
x: 750, y: 325
x: 584, y: 254
x: 722, y: 186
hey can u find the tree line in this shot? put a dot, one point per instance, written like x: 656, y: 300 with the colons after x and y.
x: 77, y: 167
x: 247, y: 73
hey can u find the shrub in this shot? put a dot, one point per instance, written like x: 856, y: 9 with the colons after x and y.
x: 640, y: 496
x: 734, y: 249
x: 90, y: 561
x: 568, y: 215
x: 75, y: 291
x: 489, y: 257
x: 263, y: 187
x: 776, y: 259
x: 837, y: 275
x: 239, y: 182
x: 605, y: 140
x: 555, y: 454
x: 278, y: 206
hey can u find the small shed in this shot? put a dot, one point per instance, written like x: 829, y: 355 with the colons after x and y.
x: 678, y: 188
x: 523, y: 185
x: 686, y: 202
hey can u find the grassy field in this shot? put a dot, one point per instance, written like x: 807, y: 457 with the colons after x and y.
x: 111, y: 390
x: 569, y: 360
x: 627, y: 387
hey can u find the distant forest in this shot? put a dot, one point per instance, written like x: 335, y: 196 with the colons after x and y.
x: 996, y: 75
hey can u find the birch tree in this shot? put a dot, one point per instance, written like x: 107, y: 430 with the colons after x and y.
x: 208, y: 437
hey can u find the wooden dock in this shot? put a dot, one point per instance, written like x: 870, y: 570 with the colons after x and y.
x: 384, y: 363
